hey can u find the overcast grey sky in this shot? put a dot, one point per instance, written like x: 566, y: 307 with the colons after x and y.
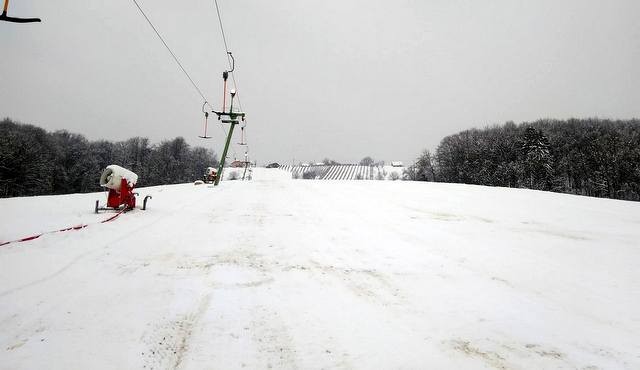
x: 332, y: 78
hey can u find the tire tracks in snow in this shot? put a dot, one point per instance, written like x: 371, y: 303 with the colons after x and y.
x: 169, y: 341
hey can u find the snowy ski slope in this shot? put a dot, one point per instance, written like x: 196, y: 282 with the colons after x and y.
x: 276, y: 273
x: 346, y: 172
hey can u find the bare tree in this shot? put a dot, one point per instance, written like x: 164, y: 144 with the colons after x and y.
x: 366, y: 161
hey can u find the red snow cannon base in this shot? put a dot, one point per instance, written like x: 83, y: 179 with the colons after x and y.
x: 125, y: 197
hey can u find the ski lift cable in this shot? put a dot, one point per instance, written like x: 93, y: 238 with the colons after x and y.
x: 172, y: 53
x: 224, y: 37
x: 232, y: 72
x: 228, y: 54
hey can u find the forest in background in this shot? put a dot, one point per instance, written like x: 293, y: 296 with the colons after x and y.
x: 36, y: 162
x: 593, y: 157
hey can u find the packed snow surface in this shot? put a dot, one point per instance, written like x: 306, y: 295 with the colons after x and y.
x: 281, y: 273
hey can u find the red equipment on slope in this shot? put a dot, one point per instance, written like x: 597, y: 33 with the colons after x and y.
x: 210, y: 175
x: 125, y: 196
x: 120, y: 183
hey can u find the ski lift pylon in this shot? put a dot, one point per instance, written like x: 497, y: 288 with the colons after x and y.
x: 6, y: 18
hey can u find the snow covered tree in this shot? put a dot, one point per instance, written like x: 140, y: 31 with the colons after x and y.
x: 367, y: 161
x: 330, y: 162
x: 537, y: 159
x: 423, y: 169
x: 200, y: 159
x: 26, y: 154
x: 34, y: 162
x: 582, y: 156
x: 72, y: 165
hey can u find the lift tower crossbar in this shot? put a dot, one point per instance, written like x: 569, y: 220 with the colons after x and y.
x: 232, y: 121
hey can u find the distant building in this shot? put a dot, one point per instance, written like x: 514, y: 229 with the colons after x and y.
x: 397, y: 164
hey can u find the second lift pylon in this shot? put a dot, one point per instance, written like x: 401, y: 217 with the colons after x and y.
x: 230, y: 117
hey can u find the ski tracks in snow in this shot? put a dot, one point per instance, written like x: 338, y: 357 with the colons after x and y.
x: 304, y: 274
x: 63, y: 240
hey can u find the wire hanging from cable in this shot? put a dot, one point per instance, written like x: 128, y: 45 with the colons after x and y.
x: 226, y: 49
x: 227, y: 53
x: 233, y: 77
x: 172, y: 53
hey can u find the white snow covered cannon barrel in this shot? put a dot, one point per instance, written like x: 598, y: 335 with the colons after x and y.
x: 120, y: 182
x: 113, y: 175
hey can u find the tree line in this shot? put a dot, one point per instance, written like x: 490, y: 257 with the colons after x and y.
x: 593, y: 157
x: 36, y: 162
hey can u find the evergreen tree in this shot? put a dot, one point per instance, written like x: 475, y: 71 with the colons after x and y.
x: 536, y: 158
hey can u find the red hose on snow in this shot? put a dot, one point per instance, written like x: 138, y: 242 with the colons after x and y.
x: 77, y: 227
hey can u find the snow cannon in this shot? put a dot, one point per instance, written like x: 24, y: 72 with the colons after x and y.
x: 210, y: 175
x: 120, y: 182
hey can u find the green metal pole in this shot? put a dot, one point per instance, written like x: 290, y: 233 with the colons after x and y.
x: 226, y: 145
x: 246, y: 165
x: 224, y: 154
